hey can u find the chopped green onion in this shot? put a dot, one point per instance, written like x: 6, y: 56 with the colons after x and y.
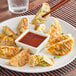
x: 54, y: 57
x: 62, y: 33
x: 58, y: 56
x: 41, y: 10
x: 16, y: 34
x: 60, y: 50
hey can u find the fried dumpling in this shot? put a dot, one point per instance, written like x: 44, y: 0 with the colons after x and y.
x: 59, y: 39
x: 46, y: 61
x: 6, y: 40
x: 20, y: 59
x: 34, y: 60
x: 38, y: 19
x: 61, y: 45
x: 7, y: 31
x: 22, y: 26
x: 8, y: 51
x: 55, y: 30
x: 41, y: 28
x: 40, y: 60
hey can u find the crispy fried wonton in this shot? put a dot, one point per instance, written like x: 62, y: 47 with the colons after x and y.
x: 9, y: 51
x: 20, y: 59
x: 55, y: 30
x: 40, y: 60
x: 6, y: 40
x: 38, y: 19
x: 61, y: 45
x: 7, y: 31
x: 22, y: 26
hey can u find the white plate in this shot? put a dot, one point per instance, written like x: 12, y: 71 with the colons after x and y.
x: 62, y: 61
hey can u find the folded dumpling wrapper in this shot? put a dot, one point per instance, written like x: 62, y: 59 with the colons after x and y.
x: 6, y: 40
x: 40, y: 60
x: 55, y: 30
x: 7, y: 31
x: 22, y: 26
x: 41, y: 28
x: 59, y: 39
x: 61, y: 45
x: 38, y: 19
x: 20, y: 59
x: 9, y: 51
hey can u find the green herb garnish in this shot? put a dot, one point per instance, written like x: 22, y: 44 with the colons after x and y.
x: 60, y: 50
x: 54, y: 57
x: 62, y: 33
x: 41, y: 10
x: 58, y: 56
x: 42, y: 63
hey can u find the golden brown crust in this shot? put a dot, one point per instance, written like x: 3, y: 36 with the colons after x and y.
x: 55, y: 30
x: 32, y: 61
x: 61, y: 48
x: 9, y: 51
x: 58, y: 39
x: 7, y: 31
x: 22, y: 26
x: 5, y: 40
x: 20, y: 59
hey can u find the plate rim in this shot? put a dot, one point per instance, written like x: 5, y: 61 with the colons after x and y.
x: 5, y: 66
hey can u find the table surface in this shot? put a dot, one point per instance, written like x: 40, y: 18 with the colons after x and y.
x: 66, y: 12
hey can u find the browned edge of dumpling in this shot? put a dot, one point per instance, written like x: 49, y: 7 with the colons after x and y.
x: 6, y: 40
x: 9, y: 51
x: 20, y: 59
x: 22, y: 25
x: 7, y: 31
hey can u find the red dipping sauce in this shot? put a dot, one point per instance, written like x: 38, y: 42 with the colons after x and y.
x: 32, y: 39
